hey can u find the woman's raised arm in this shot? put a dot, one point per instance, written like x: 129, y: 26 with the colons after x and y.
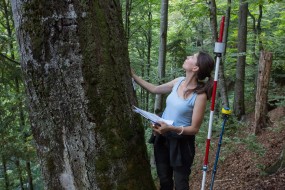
x: 160, y: 89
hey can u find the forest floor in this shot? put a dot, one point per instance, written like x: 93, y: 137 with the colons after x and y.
x: 245, y: 157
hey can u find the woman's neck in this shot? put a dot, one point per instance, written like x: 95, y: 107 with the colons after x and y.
x: 190, y: 82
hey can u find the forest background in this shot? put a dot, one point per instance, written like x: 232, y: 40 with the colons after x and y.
x: 189, y: 30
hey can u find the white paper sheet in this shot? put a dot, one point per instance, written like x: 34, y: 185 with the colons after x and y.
x: 150, y: 116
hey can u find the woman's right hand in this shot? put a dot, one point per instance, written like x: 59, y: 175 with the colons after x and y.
x: 133, y: 72
x: 161, y: 89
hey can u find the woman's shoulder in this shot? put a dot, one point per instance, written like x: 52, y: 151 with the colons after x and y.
x: 179, y: 79
x: 201, y: 96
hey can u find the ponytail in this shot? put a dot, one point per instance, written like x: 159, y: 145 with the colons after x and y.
x: 205, y: 87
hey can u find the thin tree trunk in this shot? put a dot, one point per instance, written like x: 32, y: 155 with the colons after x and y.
x: 258, y: 27
x: 149, y: 45
x: 257, y: 42
x: 30, y: 176
x: 258, y: 37
x: 6, y: 178
x: 222, y: 84
x: 227, y: 25
x: 213, y: 20
x: 17, y: 162
x: 74, y: 58
x: 239, y: 106
x: 22, y: 124
x: 128, y: 8
x: 261, y: 112
x: 162, y: 53
x: 255, y: 57
x: 142, y: 67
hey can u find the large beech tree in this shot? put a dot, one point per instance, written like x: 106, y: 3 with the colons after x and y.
x: 75, y: 65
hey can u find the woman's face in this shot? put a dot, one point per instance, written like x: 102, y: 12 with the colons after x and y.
x: 190, y: 62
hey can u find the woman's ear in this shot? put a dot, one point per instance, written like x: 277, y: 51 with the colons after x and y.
x: 195, y: 68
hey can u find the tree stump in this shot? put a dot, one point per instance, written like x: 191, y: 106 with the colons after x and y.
x: 261, y: 111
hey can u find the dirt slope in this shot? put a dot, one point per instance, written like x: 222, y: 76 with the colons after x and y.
x: 241, y: 166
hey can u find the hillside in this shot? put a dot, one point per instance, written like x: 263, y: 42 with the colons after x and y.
x: 244, y: 158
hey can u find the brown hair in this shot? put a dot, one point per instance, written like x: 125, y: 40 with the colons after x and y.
x: 206, y: 64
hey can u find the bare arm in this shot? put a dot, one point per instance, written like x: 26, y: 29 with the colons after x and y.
x: 160, y: 89
x: 197, y: 119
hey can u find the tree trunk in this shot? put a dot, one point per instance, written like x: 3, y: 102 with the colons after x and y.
x: 17, y: 162
x: 30, y: 176
x: 22, y: 124
x: 213, y: 20
x: 162, y: 53
x: 261, y: 112
x: 256, y: 42
x: 253, y: 47
x: 149, y: 45
x: 258, y: 27
x: 75, y: 65
x: 128, y: 8
x: 239, y: 107
x: 6, y: 178
x: 222, y: 83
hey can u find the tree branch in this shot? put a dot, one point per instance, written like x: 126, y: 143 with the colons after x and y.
x: 9, y: 59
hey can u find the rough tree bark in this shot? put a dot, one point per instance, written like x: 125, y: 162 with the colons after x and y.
x: 261, y: 112
x: 239, y: 107
x: 75, y: 65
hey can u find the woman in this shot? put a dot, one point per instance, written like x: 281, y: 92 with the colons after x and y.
x: 174, y: 145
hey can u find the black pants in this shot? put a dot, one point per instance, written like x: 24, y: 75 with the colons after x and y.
x: 166, y: 174
x: 170, y: 175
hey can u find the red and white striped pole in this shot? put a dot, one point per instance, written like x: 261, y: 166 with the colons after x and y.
x: 219, y: 49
